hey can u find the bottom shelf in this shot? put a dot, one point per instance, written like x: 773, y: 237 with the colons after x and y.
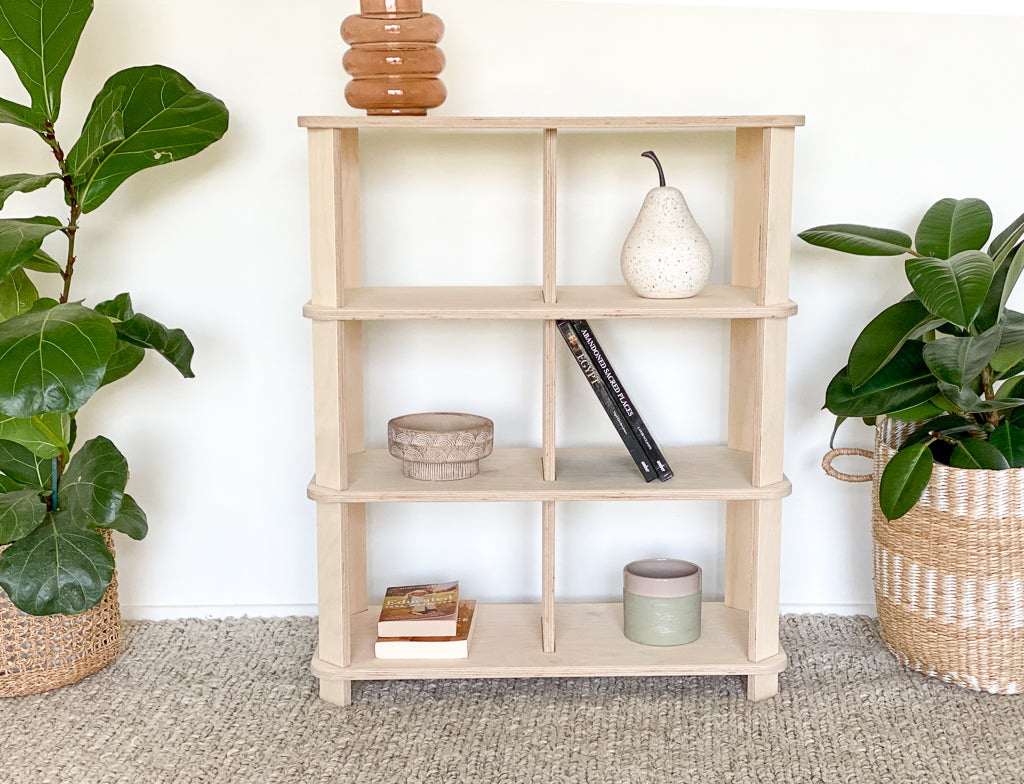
x: 588, y: 641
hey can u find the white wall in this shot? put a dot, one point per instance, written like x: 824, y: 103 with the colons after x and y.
x: 902, y: 109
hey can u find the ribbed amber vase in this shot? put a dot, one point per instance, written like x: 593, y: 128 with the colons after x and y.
x: 394, y: 60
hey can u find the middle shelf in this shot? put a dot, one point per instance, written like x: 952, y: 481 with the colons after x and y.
x: 584, y: 474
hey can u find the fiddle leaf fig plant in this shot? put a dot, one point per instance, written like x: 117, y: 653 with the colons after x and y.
x: 55, y: 352
x: 949, y: 356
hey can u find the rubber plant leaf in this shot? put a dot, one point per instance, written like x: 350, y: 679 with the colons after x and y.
x: 20, y: 238
x: 44, y: 435
x: 975, y: 453
x: 951, y: 226
x: 950, y: 425
x: 59, y: 568
x: 958, y: 360
x: 52, y: 360
x: 1009, y: 439
x: 23, y: 183
x: 17, y: 293
x: 904, y: 382
x: 917, y: 413
x: 39, y: 37
x: 884, y: 335
x: 21, y: 512
x: 969, y: 401
x: 857, y: 239
x: 1004, y: 242
x: 904, y: 479
x: 953, y: 289
x: 92, y: 489
x: 164, y: 118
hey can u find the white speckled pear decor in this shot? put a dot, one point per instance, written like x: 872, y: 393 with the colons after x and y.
x: 666, y: 255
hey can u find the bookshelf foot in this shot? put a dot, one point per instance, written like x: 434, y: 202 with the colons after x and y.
x: 336, y: 691
x: 761, y: 687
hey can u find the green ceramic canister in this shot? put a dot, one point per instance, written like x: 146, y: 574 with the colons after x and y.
x: 661, y: 601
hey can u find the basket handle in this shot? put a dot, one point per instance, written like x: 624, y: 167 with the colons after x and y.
x: 832, y: 454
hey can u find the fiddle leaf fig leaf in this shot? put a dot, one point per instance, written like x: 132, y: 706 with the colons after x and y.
x: 904, y: 479
x: 131, y: 521
x: 21, y: 512
x: 8, y: 485
x: 52, y: 360
x: 958, y: 360
x: 904, y: 382
x: 885, y: 335
x: 164, y: 118
x: 17, y: 293
x: 23, y: 467
x: 861, y: 240
x: 42, y: 261
x: 126, y: 357
x: 44, y: 435
x: 120, y: 307
x: 59, y: 568
x: 951, y: 226
x: 975, y: 453
x: 39, y: 37
x: 15, y: 114
x: 20, y: 238
x: 93, y: 484
x: 23, y: 183
x: 953, y: 289
x: 142, y: 331
x: 1009, y: 439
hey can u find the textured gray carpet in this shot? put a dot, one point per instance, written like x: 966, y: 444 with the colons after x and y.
x: 233, y: 701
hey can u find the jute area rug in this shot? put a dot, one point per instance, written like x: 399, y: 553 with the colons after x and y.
x: 233, y: 701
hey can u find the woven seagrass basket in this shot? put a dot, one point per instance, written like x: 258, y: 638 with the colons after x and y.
x: 949, y: 575
x: 39, y: 653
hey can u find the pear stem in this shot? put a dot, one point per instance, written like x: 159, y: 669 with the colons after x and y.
x: 661, y: 172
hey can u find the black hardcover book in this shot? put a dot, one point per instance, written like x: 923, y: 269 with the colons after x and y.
x: 618, y: 391
x: 611, y: 408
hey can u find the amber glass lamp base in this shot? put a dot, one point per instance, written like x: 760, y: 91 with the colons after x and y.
x: 394, y: 60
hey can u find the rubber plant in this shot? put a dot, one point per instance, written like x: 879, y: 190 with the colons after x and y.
x: 949, y: 356
x: 55, y: 353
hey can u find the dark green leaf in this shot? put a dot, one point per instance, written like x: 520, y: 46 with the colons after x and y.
x: 1013, y: 270
x: 44, y: 435
x: 43, y: 304
x: 24, y: 467
x: 1011, y: 387
x: 1006, y: 357
x: 39, y: 37
x: 172, y: 344
x: 969, y: 401
x: 58, y: 568
x: 1013, y: 327
x: 93, y: 484
x: 21, y: 512
x: 16, y: 114
x: 42, y: 261
x: 164, y: 119
x: 20, y: 238
x: 884, y: 335
x: 958, y: 360
x: 120, y: 307
x: 102, y: 133
x: 917, y: 413
x: 947, y: 425
x: 8, y: 485
x: 1016, y: 417
x: 124, y: 360
x: 904, y: 479
x: 904, y: 382
x: 861, y: 240
x: 951, y: 226
x: 17, y: 293
x: 23, y: 183
x: 954, y: 288
x: 1001, y: 246
x: 131, y: 520
x: 1009, y: 439
x: 975, y: 453
x: 835, y: 429
x: 53, y: 360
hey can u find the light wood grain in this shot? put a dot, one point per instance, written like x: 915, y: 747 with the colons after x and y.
x: 739, y: 553
x: 548, y: 578
x: 762, y: 687
x: 766, y: 529
x: 777, y: 217
x: 332, y: 573
x: 527, y: 302
x: 542, y: 123
x: 584, y: 474
x: 550, y: 229
x: 336, y: 691
x: 507, y: 644
x: 549, y: 399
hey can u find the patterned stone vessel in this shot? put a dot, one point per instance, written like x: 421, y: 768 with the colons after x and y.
x: 665, y: 255
x: 394, y: 60
x: 440, y: 445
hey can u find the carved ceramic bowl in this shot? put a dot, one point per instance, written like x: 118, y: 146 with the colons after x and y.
x: 440, y: 446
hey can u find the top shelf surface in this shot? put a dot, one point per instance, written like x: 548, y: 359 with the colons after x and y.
x: 558, y: 123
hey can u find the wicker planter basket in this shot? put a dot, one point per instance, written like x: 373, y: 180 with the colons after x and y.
x: 949, y: 575
x: 42, y: 653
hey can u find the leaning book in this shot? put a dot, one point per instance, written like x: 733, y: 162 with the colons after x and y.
x: 454, y: 647
x: 427, y: 610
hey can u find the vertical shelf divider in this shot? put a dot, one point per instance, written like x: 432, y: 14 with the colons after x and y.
x: 550, y: 233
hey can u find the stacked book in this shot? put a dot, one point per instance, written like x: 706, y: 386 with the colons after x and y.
x: 426, y: 621
x: 630, y: 426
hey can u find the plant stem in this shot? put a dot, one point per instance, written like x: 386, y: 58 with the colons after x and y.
x: 992, y: 417
x: 72, y: 193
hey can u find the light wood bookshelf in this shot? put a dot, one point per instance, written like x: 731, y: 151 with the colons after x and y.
x: 739, y: 636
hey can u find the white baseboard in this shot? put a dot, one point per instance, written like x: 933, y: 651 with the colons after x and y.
x: 143, y: 612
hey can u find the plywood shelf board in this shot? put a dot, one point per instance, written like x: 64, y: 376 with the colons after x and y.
x: 558, y: 123
x: 589, y: 642
x: 527, y: 302
x: 583, y: 474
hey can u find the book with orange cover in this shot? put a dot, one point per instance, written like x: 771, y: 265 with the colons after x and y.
x: 453, y: 647
x: 428, y: 610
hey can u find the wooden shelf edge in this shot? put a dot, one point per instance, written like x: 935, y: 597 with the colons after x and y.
x: 557, y: 123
